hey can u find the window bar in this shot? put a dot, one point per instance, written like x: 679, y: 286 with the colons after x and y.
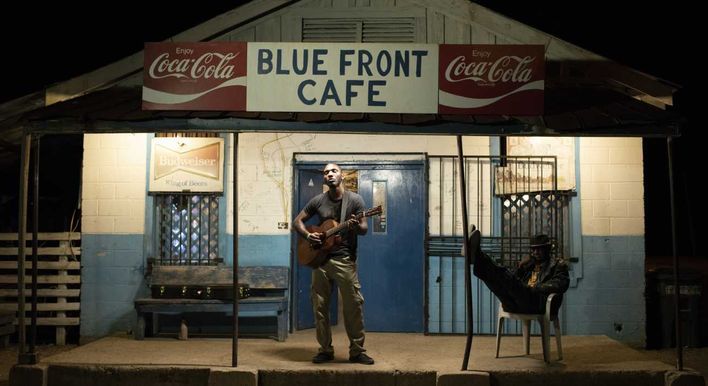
x: 181, y: 234
x: 172, y: 210
x: 175, y: 230
x: 515, y: 225
x: 189, y: 256
x: 203, y: 228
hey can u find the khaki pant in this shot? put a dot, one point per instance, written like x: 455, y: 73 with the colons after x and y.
x: 343, y: 272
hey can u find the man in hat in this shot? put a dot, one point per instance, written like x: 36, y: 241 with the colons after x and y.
x: 524, y: 289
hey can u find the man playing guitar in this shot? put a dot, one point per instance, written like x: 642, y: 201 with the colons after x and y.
x: 340, y: 265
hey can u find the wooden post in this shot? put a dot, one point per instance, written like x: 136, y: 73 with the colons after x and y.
x: 674, y: 252
x: 234, y: 343
x: 61, y: 330
x: 35, y: 247
x: 21, y: 246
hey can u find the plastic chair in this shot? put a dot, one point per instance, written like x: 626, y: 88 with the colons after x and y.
x: 544, y: 320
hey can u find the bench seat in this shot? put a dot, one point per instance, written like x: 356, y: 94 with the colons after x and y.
x: 275, y: 306
x: 268, y: 284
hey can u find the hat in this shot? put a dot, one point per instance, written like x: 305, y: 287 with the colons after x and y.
x: 540, y: 241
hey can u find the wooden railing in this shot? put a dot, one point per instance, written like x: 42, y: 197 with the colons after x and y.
x: 58, y: 279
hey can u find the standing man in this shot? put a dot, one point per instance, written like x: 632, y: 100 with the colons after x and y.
x: 524, y: 289
x: 340, y: 267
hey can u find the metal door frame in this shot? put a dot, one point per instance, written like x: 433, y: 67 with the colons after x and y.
x: 358, y: 160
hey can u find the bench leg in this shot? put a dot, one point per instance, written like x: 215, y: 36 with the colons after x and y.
x: 139, y: 333
x: 155, y: 324
x: 183, y: 331
x: 282, y: 326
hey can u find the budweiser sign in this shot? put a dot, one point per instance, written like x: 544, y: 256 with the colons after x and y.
x: 195, y: 76
x: 187, y: 164
x: 491, y: 79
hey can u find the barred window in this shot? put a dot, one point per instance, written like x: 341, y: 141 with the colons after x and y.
x: 187, y: 229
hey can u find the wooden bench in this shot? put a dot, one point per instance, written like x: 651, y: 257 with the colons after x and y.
x: 267, y: 285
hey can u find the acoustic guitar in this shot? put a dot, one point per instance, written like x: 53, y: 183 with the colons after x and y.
x: 314, y: 255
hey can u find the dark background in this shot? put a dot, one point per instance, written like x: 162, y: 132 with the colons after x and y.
x: 50, y: 43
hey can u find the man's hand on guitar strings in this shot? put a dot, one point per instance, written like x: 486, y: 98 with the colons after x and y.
x: 314, y: 238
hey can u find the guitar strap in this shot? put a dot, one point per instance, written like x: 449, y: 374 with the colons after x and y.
x: 343, y: 212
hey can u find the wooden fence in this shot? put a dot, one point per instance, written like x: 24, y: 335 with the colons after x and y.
x: 58, y: 279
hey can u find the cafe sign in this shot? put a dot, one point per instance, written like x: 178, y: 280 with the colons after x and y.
x: 401, y: 78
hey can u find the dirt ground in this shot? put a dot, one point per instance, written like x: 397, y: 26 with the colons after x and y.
x: 8, y: 358
x: 694, y: 358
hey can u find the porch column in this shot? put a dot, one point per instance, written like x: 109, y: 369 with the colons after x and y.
x: 677, y: 288
x: 465, y: 235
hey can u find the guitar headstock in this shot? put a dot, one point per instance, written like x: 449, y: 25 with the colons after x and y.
x: 373, y: 211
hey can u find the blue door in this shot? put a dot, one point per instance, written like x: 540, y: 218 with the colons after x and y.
x: 391, y: 255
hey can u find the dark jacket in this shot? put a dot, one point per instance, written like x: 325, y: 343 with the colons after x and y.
x: 553, y: 278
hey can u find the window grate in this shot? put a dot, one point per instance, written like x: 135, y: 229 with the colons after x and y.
x: 509, y: 198
x: 188, y: 229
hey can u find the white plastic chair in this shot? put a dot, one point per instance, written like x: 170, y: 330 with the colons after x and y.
x: 544, y: 320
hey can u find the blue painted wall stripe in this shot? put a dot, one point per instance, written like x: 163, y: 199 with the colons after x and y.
x: 609, y: 295
x: 112, y: 276
x: 270, y: 250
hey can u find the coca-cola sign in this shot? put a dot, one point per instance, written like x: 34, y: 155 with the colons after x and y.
x: 491, y: 79
x: 195, y: 76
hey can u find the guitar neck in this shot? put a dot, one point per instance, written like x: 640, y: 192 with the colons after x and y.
x: 341, y: 226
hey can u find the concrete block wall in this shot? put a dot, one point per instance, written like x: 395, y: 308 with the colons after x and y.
x: 609, y: 298
x: 561, y: 147
x: 612, y: 182
x: 113, y: 217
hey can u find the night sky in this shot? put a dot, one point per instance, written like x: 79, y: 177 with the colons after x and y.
x: 58, y: 41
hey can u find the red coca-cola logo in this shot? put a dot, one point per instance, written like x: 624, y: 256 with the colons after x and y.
x: 195, y: 76
x: 508, y: 68
x: 211, y: 65
x: 491, y: 79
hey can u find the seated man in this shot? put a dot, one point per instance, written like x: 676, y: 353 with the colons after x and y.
x: 524, y: 289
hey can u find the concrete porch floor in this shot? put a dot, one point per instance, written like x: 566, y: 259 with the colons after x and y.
x: 412, y: 359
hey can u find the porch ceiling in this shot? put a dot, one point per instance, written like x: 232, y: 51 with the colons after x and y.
x: 570, y: 111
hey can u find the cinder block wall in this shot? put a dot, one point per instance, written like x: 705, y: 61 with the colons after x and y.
x: 113, y: 218
x: 609, y: 298
x: 609, y: 292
